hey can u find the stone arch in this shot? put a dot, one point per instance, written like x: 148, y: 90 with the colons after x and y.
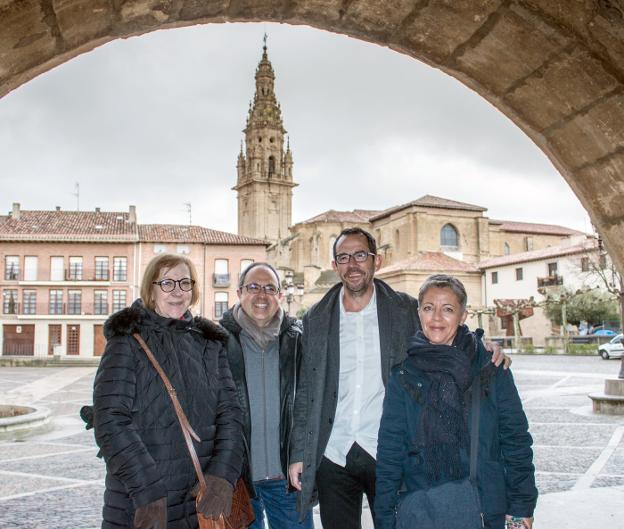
x: 554, y: 67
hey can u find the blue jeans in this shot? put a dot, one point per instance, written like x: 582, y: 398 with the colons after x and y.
x: 279, y: 505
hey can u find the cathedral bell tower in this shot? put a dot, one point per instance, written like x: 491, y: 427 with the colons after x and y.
x: 264, y: 182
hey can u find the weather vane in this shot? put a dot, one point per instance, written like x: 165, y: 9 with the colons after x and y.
x: 265, y: 39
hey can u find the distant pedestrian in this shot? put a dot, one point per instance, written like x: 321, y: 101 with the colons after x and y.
x: 424, y: 439
x: 149, y: 473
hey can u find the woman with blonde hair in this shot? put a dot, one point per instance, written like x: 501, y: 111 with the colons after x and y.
x: 149, y: 474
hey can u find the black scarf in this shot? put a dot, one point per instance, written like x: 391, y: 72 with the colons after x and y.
x: 444, y: 418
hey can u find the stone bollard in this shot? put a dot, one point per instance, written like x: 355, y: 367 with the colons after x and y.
x: 611, y: 402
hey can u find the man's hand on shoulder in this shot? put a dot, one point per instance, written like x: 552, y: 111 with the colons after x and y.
x: 294, y: 474
x: 498, y: 357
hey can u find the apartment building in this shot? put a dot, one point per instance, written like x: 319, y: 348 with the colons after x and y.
x: 64, y: 272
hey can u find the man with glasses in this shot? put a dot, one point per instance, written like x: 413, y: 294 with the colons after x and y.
x: 264, y: 350
x: 352, y: 338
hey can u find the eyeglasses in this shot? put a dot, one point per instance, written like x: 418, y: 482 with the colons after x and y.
x: 168, y: 285
x: 358, y: 257
x: 255, y: 288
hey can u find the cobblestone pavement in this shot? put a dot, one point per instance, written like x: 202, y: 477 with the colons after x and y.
x: 53, y: 480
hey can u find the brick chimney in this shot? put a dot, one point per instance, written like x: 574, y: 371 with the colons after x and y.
x: 58, y: 208
x: 15, y: 212
x: 132, y: 218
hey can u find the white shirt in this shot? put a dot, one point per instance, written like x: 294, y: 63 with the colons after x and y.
x: 360, y: 386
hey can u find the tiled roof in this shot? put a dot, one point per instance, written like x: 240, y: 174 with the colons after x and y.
x: 358, y: 216
x: 531, y: 227
x: 430, y: 262
x: 430, y: 201
x: 192, y: 234
x: 68, y: 226
x: 560, y: 250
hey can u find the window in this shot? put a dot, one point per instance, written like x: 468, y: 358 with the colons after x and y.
x: 221, y: 276
x: 57, y: 268
x: 11, y: 267
x: 244, y: 264
x: 506, y: 249
x: 271, y: 166
x: 184, y: 249
x: 30, y: 268
x: 100, y: 302
x: 221, y: 303
x: 584, y: 264
x: 119, y: 300
x: 120, y: 268
x: 56, y: 302
x: 221, y: 266
x: 519, y: 274
x: 528, y: 244
x: 101, y: 269
x: 74, y: 302
x: 494, y: 278
x: 29, y: 302
x: 54, y: 337
x: 160, y: 248
x: 552, y: 269
x: 449, y: 238
x: 602, y: 261
x: 75, y: 269
x: 9, y: 301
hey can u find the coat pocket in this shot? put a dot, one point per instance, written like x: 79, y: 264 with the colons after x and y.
x: 492, y: 487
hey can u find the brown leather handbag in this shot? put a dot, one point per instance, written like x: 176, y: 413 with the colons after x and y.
x: 242, y: 514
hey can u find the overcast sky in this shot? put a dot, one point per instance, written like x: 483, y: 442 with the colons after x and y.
x: 156, y: 121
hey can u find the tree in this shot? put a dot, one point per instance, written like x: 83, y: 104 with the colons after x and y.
x: 592, y: 306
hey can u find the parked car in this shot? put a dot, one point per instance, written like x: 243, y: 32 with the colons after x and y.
x: 612, y: 349
x: 604, y: 332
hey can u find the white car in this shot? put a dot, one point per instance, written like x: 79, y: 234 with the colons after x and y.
x: 612, y: 349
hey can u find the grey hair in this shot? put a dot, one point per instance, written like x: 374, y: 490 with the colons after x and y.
x: 444, y: 281
x: 243, y: 276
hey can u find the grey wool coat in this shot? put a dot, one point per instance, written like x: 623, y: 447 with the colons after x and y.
x: 317, y: 397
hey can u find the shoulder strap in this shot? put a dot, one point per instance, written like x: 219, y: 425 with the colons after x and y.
x: 474, y: 437
x: 184, y: 424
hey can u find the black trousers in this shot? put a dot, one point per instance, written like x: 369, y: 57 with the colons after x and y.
x: 341, y: 489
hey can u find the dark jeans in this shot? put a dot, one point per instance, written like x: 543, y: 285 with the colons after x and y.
x: 341, y: 489
x: 279, y: 506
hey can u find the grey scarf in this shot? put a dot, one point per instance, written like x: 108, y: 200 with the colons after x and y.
x: 263, y: 336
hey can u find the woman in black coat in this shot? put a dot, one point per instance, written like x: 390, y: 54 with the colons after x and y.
x: 150, y: 477
x: 424, y: 439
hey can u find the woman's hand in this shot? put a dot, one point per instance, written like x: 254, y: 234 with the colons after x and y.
x: 217, y: 499
x: 498, y: 357
x: 152, y: 516
x: 527, y: 523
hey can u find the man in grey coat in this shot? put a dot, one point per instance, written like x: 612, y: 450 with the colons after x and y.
x: 352, y: 338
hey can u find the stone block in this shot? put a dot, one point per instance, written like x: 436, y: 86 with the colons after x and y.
x: 516, y: 45
x: 323, y: 13
x: 27, y: 38
x: 607, y: 32
x: 603, y: 188
x: 440, y: 27
x: 614, y: 387
x: 259, y: 10
x: 139, y: 16
x: 592, y: 134
x: 566, y: 85
x: 372, y: 18
x: 80, y: 21
x: 198, y: 9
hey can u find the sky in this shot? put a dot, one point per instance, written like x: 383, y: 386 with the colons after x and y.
x: 156, y: 121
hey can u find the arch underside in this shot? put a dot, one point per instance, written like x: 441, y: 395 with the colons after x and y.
x: 554, y: 67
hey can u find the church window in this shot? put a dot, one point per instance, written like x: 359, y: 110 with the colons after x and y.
x: 259, y: 139
x: 271, y: 139
x: 271, y: 165
x: 506, y: 249
x: 449, y: 238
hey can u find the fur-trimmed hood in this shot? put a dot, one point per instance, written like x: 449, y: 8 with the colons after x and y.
x: 131, y: 319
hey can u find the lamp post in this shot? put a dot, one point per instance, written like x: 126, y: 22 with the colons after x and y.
x: 290, y: 289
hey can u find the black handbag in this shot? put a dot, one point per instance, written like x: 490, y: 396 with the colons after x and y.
x: 452, y: 505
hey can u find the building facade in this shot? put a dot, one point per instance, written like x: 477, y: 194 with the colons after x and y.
x: 65, y: 272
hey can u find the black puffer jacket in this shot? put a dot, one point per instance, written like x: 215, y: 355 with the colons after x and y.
x: 289, y: 361
x: 136, y: 426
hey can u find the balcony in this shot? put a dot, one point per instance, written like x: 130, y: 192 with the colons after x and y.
x: 550, y: 281
x: 220, y: 280
x: 45, y: 310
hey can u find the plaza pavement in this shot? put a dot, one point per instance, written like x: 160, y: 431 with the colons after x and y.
x: 53, y: 480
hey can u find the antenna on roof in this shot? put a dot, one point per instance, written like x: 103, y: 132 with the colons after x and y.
x: 77, y: 195
x: 188, y: 210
